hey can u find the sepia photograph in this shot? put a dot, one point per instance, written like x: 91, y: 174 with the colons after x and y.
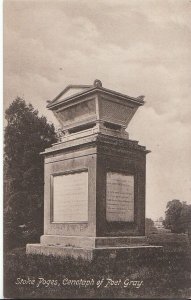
x: 96, y: 149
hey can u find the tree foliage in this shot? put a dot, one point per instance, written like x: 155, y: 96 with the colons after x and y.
x: 26, y: 135
x: 177, y: 216
x: 150, y: 226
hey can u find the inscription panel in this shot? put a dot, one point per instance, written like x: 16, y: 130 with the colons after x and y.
x: 70, y: 197
x: 119, y: 197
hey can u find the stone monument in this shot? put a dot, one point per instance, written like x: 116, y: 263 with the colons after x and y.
x: 94, y: 193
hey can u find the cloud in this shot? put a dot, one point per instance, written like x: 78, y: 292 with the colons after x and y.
x: 168, y: 170
x: 134, y: 47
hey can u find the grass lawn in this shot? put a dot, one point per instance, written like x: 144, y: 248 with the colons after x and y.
x: 145, y: 274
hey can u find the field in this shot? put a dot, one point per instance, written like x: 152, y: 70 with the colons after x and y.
x: 145, y: 274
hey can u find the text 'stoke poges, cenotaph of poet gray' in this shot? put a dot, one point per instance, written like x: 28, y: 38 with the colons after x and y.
x: 94, y: 194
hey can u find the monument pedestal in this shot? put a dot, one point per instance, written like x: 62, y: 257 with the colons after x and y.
x: 94, y: 194
x: 109, y: 212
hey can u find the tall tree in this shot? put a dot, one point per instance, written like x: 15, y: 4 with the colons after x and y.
x: 26, y: 135
x: 177, y: 216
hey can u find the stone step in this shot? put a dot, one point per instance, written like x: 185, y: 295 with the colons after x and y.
x: 120, y: 241
x: 93, y: 242
x: 86, y: 253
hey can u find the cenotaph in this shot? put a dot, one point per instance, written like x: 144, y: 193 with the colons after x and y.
x: 94, y: 193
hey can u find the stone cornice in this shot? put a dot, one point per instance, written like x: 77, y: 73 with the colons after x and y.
x: 97, y: 140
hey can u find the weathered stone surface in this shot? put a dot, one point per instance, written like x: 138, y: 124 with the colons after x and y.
x: 88, y: 253
x: 81, y: 107
x: 70, y: 197
x: 92, y: 242
x: 97, y: 155
x: 119, y: 197
x: 94, y: 192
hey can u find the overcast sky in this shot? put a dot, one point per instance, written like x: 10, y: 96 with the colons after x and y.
x: 134, y: 47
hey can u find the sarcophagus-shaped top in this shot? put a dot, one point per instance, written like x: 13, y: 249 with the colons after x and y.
x: 80, y: 107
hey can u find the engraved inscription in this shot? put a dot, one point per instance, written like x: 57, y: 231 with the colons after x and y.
x: 70, y: 197
x: 119, y: 197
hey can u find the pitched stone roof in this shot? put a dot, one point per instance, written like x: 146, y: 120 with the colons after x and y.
x: 72, y: 91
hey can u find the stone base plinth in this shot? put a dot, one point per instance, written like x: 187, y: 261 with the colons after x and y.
x: 92, y: 242
x: 89, y: 247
